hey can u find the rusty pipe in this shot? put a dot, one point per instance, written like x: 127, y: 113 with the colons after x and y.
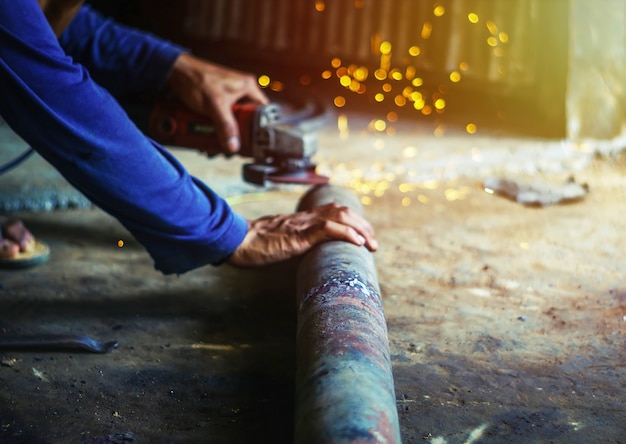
x: 344, y: 381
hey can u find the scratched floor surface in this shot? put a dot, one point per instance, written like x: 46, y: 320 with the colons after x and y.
x: 506, y: 323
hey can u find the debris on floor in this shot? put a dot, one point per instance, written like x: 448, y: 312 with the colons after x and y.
x: 536, y: 193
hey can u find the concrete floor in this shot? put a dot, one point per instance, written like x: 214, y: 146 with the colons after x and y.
x: 506, y: 323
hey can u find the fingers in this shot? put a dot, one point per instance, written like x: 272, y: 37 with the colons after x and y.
x: 212, y: 90
x: 227, y: 127
x: 253, y: 92
x: 345, y: 224
x: 15, y: 238
x: 336, y: 231
x: 243, y: 86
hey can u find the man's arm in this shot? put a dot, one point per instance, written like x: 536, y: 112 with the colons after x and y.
x: 56, y: 107
x: 126, y: 60
x: 119, y: 58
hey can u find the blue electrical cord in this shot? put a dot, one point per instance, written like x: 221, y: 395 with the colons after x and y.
x: 15, y: 162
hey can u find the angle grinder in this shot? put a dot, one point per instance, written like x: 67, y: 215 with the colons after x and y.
x: 280, y: 147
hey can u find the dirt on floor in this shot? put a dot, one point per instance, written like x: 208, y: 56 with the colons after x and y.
x: 506, y: 324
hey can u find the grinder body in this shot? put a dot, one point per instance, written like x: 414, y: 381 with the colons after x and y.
x: 281, y: 152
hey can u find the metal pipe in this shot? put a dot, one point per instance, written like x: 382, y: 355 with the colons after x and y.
x: 344, y: 380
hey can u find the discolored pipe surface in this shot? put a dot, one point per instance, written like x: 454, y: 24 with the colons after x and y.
x: 344, y: 382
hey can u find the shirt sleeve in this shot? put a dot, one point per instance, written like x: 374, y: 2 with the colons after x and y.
x: 56, y: 107
x: 119, y: 58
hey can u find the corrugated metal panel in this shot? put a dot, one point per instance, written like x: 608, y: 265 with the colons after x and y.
x: 498, y: 48
x: 502, y: 58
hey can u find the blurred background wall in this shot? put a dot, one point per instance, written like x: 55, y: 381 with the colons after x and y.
x: 549, y: 68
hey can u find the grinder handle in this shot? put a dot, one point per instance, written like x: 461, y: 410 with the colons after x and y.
x: 172, y: 123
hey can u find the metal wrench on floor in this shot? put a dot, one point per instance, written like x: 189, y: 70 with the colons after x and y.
x: 55, y: 342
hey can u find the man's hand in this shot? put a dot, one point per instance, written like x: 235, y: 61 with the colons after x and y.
x: 212, y: 90
x: 14, y: 238
x: 275, y: 238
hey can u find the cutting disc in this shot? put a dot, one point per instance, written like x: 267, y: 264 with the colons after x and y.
x: 300, y: 177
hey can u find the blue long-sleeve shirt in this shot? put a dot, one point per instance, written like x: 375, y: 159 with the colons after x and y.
x: 54, y: 97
